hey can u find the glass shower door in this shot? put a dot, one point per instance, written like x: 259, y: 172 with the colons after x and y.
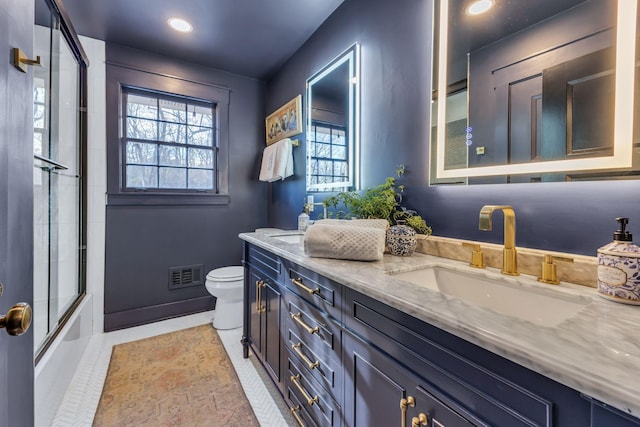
x: 59, y: 210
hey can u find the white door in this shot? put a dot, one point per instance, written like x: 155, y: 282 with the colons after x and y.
x: 16, y: 210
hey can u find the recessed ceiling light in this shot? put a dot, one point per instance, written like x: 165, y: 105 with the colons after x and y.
x: 179, y: 24
x: 479, y: 6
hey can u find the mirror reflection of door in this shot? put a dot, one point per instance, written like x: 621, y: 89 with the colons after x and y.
x: 540, y: 86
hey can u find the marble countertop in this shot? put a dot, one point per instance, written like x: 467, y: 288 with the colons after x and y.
x: 595, y: 351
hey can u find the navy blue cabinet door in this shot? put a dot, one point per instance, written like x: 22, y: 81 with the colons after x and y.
x: 264, y: 300
x: 380, y: 392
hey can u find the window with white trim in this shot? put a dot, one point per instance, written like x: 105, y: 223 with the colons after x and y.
x: 169, y: 143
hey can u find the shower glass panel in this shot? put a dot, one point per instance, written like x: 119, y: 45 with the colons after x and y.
x: 59, y: 182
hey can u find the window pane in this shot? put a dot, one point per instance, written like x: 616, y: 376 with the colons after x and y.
x: 172, y: 111
x: 200, y: 158
x: 172, y: 156
x: 201, y: 179
x: 200, y: 136
x: 323, y: 150
x: 325, y: 168
x: 338, y: 137
x: 173, y: 178
x: 37, y: 143
x: 38, y: 91
x: 38, y: 116
x: 142, y: 177
x: 141, y: 153
x: 323, y: 134
x: 200, y: 116
x: 142, y: 129
x: 340, y: 169
x: 142, y: 106
x: 339, y: 152
x: 172, y: 132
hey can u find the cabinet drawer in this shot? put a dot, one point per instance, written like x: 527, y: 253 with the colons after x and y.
x: 326, y: 370
x: 603, y: 415
x: 315, y: 289
x: 315, y: 327
x: 313, y: 399
x: 265, y: 261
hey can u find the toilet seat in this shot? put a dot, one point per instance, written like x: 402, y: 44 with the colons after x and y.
x: 226, y: 274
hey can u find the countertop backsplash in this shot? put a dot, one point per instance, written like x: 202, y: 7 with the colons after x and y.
x: 582, y: 271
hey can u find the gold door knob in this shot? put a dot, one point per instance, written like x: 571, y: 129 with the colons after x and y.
x: 17, y: 320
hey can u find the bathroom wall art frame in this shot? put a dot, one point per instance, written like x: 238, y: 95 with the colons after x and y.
x: 286, y: 121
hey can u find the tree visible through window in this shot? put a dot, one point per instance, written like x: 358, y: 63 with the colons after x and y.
x: 169, y: 142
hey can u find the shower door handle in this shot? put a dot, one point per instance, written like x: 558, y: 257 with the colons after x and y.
x: 17, y: 319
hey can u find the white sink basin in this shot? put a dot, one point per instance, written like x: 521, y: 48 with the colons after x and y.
x: 290, y: 238
x: 532, y: 302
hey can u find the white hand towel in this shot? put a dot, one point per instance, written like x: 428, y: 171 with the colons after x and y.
x: 277, y: 161
x: 344, y: 242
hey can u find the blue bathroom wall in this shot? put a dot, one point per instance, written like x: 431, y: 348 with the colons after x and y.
x: 395, y: 38
x: 144, y: 241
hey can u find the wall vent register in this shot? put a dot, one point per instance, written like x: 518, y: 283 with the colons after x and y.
x: 183, y: 277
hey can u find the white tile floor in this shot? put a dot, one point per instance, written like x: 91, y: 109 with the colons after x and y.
x: 81, y: 398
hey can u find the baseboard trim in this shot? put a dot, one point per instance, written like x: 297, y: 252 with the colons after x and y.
x: 144, y: 315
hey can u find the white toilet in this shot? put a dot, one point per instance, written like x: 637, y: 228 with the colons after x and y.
x: 226, y: 284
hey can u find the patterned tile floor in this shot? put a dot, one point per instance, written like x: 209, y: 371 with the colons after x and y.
x: 81, y: 398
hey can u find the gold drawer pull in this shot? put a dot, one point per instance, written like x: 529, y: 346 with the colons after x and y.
x: 298, y: 282
x: 404, y: 404
x: 294, y: 412
x: 298, y: 318
x: 310, y: 400
x: 259, y: 306
x: 305, y: 359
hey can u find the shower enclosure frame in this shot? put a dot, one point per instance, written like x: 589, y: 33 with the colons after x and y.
x: 60, y: 16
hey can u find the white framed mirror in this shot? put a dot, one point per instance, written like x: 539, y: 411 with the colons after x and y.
x: 535, y: 91
x: 333, y: 128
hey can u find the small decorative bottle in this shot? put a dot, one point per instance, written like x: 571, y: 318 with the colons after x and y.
x: 619, y: 268
x: 303, y: 218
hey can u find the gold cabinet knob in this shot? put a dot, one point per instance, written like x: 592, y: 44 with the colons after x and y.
x: 17, y: 320
x: 420, y: 420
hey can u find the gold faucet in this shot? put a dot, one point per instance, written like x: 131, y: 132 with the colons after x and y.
x: 509, y: 254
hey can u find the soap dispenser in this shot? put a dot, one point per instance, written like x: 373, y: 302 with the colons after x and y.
x: 619, y: 268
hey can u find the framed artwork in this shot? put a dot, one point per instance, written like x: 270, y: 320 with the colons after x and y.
x: 286, y: 121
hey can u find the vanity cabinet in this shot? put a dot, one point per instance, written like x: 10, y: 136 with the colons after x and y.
x: 342, y: 358
x: 263, y: 306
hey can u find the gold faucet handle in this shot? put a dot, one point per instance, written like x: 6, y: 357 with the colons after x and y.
x: 477, y: 257
x: 549, y: 274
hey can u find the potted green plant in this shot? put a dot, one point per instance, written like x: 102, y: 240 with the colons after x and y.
x: 381, y: 202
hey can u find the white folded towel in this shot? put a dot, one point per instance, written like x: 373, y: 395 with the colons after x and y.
x: 374, y: 223
x: 277, y: 161
x: 344, y: 242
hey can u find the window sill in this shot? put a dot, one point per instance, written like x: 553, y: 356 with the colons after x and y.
x: 166, y: 199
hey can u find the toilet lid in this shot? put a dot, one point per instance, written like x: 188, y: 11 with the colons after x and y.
x: 226, y: 274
